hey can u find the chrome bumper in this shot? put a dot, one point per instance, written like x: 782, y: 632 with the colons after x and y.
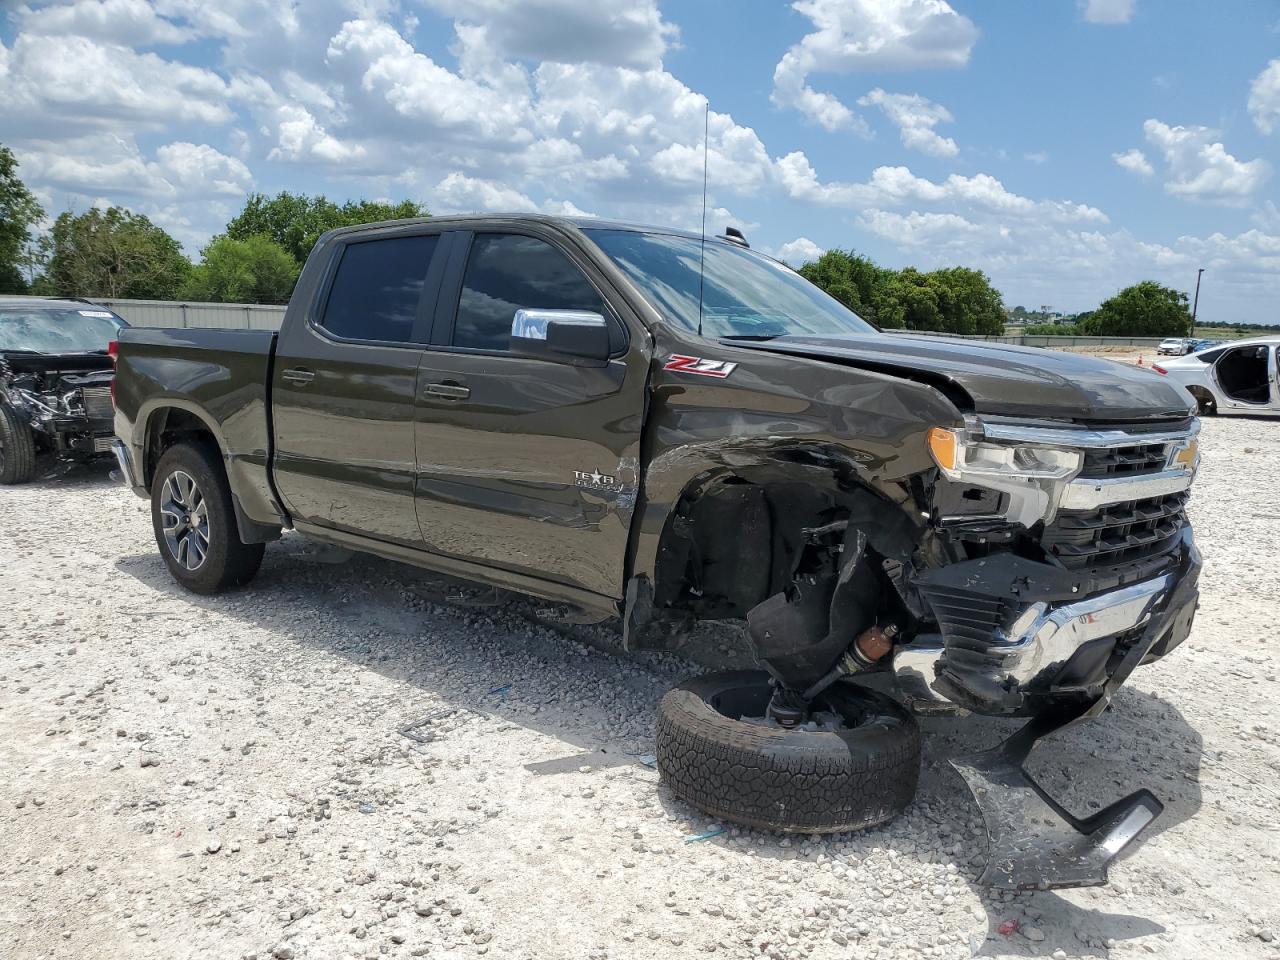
x: 1041, y: 640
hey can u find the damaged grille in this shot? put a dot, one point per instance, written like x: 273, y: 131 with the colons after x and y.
x: 1125, y: 461
x: 1119, y: 533
x: 966, y: 615
x: 97, y: 403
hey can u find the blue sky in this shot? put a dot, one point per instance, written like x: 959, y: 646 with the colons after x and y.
x: 1066, y: 147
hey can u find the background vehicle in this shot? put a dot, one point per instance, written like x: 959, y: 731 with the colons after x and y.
x: 1241, y: 376
x: 1175, y: 346
x: 644, y: 423
x: 55, y: 382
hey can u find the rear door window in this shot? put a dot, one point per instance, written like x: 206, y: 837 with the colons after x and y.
x: 377, y: 288
x: 506, y: 272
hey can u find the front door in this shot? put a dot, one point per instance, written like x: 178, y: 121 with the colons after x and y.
x: 529, y: 465
x: 344, y: 388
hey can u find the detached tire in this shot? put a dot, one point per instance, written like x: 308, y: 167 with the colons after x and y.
x: 195, y: 523
x: 17, y: 448
x: 861, y: 774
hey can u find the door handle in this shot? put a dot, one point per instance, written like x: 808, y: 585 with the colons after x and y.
x: 299, y: 375
x: 447, y: 391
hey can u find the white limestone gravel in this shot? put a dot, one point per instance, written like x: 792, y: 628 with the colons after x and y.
x: 227, y: 777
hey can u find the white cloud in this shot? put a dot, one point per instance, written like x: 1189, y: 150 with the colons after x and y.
x: 129, y: 22
x: 1135, y: 161
x: 799, y: 251
x: 937, y: 231
x: 628, y: 33
x: 1038, y: 157
x: 86, y: 84
x: 200, y: 169
x: 915, y: 118
x: 1108, y: 11
x: 95, y: 164
x: 384, y: 71
x: 1264, y: 98
x: 1198, y: 166
x: 458, y: 193
x: 898, y: 186
x: 853, y: 35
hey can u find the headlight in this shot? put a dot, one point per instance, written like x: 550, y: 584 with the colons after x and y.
x: 959, y: 455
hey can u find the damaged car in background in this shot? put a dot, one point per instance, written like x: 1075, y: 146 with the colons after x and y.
x: 672, y: 428
x: 55, y: 383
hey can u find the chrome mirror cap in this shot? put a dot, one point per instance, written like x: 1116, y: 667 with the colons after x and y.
x: 531, y: 324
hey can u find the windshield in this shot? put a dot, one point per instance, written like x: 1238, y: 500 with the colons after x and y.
x: 743, y: 293
x: 58, y: 331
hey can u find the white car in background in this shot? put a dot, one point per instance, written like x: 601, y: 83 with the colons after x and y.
x: 1174, y: 346
x: 1239, y: 377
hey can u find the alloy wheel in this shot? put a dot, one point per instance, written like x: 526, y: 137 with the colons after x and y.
x: 185, y: 519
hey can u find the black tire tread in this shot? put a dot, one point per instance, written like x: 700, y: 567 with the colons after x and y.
x: 787, y: 780
x: 231, y: 563
x: 18, y: 463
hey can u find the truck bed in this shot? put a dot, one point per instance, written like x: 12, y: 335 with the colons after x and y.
x: 221, y: 377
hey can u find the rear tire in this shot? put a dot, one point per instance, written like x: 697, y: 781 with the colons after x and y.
x: 771, y: 778
x: 195, y: 523
x: 17, y: 448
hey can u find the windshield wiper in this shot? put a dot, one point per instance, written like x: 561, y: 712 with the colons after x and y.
x: 37, y: 353
x: 752, y: 336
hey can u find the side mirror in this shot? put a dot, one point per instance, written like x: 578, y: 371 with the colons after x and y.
x: 566, y: 336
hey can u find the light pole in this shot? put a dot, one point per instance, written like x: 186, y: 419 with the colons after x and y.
x: 1196, y: 302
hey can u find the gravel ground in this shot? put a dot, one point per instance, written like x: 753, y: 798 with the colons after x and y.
x: 354, y: 759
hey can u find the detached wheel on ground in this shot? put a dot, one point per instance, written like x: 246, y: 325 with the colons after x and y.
x: 17, y: 448
x: 854, y: 766
x: 195, y: 523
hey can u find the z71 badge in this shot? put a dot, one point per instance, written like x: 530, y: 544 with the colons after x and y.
x: 702, y: 367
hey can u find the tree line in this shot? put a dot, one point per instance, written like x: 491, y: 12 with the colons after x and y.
x: 961, y: 300
x: 115, y: 253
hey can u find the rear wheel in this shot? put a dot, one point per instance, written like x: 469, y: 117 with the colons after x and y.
x: 854, y: 765
x: 195, y: 524
x: 17, y: 448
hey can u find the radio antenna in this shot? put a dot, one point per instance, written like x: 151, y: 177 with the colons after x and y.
x: 702, y: 252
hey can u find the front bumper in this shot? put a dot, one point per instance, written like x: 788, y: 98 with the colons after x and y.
x: 1052, y: 649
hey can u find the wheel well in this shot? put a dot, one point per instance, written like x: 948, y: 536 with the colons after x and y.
x: 736, y: 538
x: 169, y: 426
x: 1203, y: 397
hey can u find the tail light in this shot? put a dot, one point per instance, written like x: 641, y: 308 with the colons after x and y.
x: 113, y: 351
x: 1158, y: 369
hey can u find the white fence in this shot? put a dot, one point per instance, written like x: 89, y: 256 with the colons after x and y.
x: 175, y: 313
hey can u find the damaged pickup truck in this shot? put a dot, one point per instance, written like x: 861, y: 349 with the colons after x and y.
x: 55, y: 383
x: 669, y: 428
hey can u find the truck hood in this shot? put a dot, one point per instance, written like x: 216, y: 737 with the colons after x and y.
x: 1000, y: 379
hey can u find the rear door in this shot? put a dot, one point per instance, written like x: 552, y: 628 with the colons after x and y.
x: 344, y: 386
x: 530, y: 465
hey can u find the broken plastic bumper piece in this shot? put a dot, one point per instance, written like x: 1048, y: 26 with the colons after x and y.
x: 1033, y: 842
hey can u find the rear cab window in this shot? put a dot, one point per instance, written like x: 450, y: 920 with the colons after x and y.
x: 376, y: 289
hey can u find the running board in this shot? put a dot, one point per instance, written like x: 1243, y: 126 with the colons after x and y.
x: 1033, y: 843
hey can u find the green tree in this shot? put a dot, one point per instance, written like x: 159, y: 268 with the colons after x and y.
x: 112, y: 253
x: 858, y: 283
x: 969, y: 304
x: 253, y: 270
x: 19, y: 212
x: 296, y: 221
x: 1145, y: 309
x: 955, y: 300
